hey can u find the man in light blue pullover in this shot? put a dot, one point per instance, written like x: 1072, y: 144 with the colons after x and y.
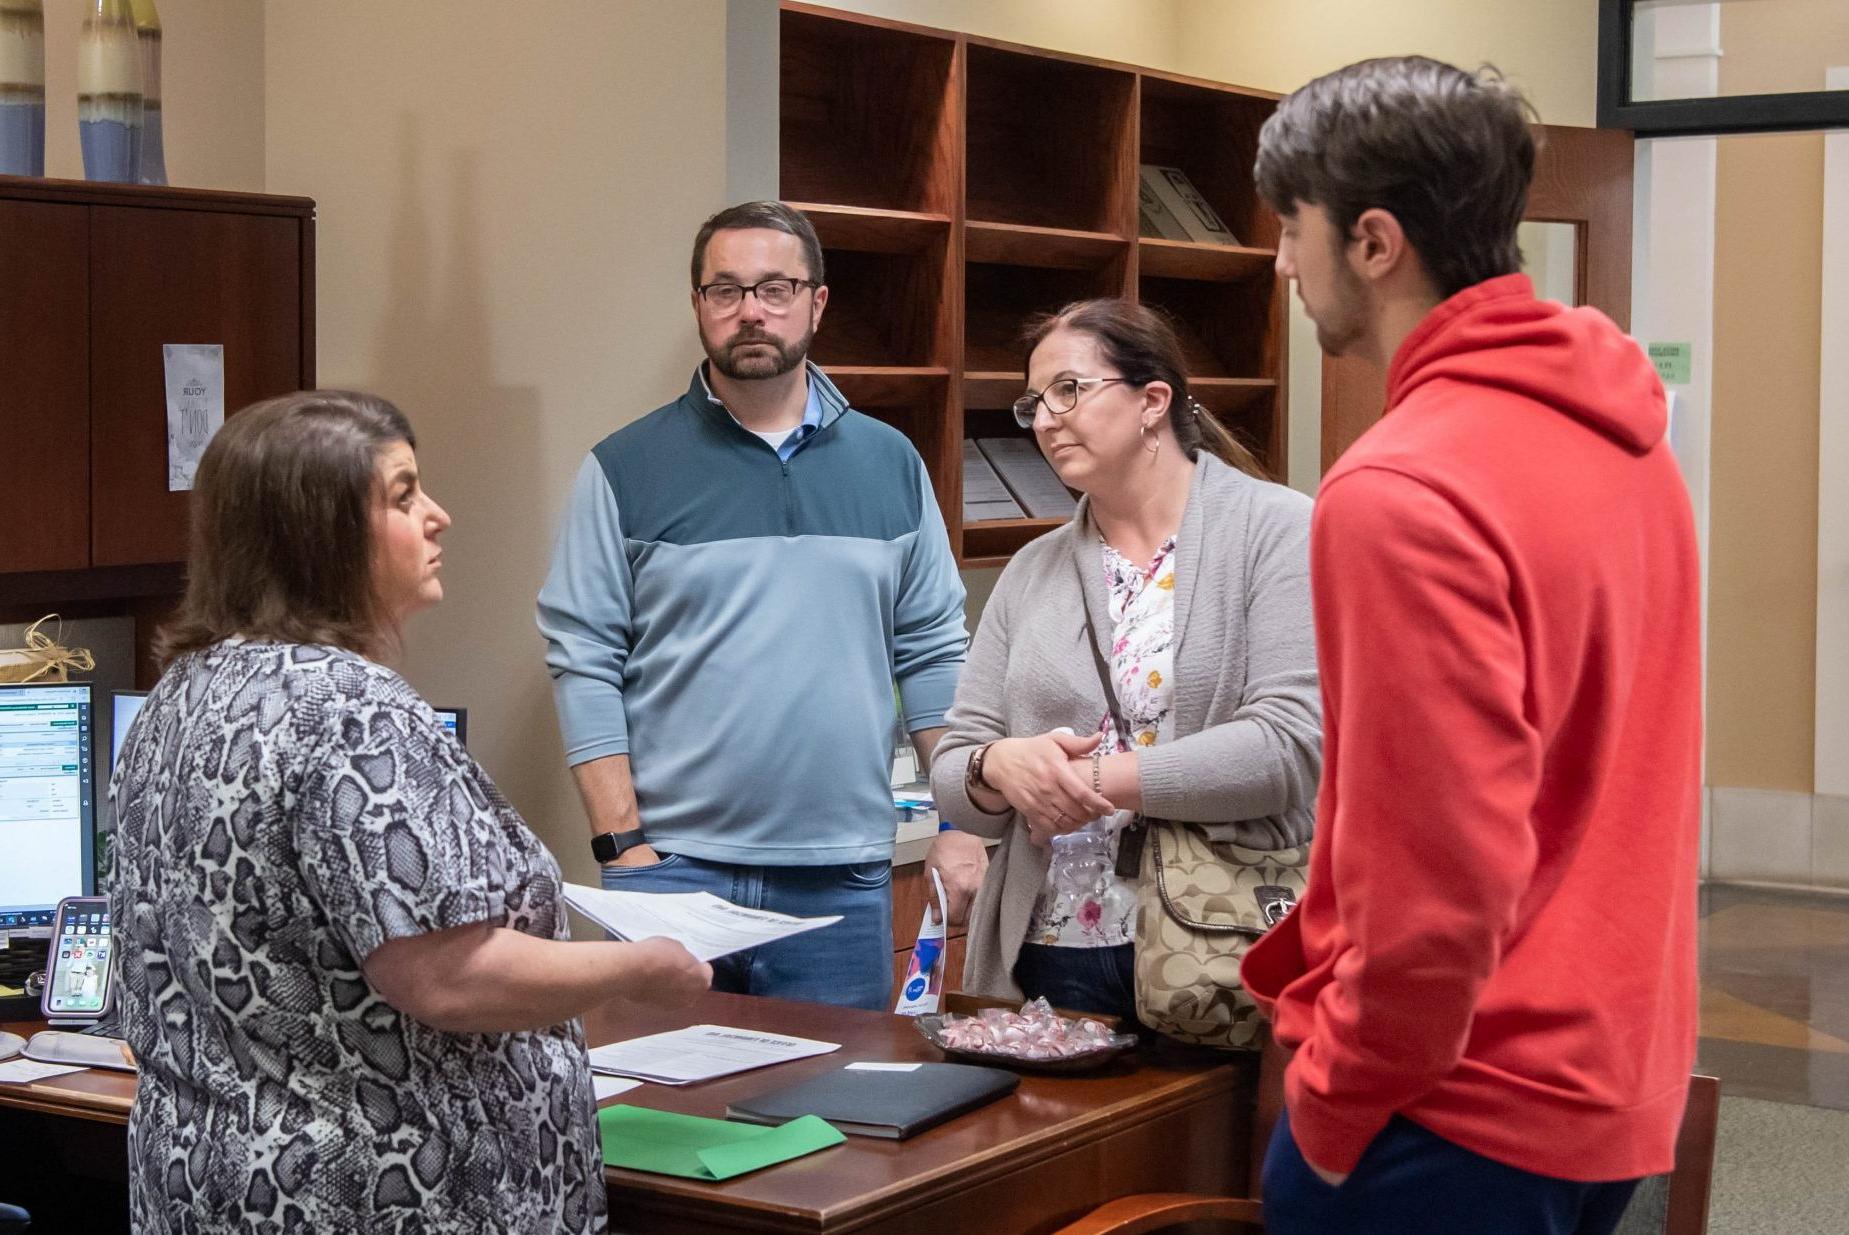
x: 741, y: 577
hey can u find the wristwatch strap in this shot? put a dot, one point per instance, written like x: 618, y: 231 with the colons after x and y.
x: 609, y: 846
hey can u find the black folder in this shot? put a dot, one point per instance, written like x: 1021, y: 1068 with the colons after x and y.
x: 881, y: 1101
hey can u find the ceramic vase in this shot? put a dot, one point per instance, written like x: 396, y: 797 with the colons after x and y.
x: 109, y: 101
x: 153, y: 163
x: 22, y: 88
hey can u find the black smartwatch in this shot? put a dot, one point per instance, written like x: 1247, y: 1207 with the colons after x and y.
x: 612, y: 845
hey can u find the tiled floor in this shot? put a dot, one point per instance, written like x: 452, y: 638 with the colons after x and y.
x: 1775, y: 995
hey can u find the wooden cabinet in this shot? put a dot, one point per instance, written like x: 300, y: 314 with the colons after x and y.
x: 960, y: 185
x: 94, y: 279
x: 44, y: 387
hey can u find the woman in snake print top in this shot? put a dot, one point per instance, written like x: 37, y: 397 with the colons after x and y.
x: 345, y: 971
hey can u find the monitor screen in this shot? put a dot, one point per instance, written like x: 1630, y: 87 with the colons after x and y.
x: 456, y: 722
x: 124, y: 705
x: 47, y: 800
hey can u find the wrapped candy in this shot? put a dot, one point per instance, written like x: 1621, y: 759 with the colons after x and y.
x: 1035, y: 1034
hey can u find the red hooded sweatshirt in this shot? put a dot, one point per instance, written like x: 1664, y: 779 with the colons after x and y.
x: 1498, y: 937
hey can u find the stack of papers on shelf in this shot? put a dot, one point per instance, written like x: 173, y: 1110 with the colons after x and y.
x: 706, y: 925
x: 694, y: 1148
x: 1178, y: 204
x: 700, y: 1053
x: 1032, y: 480
x: 984, y: 495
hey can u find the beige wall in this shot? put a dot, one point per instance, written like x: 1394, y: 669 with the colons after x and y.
x: 211, y: 92
x: 1767, y: 319
x: 507, y: 194
x: 1762, y: 577
x: 1548, y: 49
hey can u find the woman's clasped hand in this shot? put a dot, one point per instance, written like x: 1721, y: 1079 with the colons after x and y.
x: 1046, y: 779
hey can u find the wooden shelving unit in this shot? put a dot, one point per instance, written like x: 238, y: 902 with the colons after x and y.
x: 961, y: 184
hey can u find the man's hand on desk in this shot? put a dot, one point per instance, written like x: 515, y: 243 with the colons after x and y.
x: 960, y: 860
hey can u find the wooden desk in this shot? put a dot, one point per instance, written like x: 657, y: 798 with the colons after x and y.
x: 1167, y: 1120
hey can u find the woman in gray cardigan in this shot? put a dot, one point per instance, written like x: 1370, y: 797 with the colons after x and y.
x: 1195, y: 578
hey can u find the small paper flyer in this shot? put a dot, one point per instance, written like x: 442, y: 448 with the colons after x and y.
x: 195, y: 406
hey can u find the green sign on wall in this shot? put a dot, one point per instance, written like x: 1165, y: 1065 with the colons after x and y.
x: 1673, y: 362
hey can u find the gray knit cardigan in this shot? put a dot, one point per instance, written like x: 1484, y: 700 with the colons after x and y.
x: 1242, y: 745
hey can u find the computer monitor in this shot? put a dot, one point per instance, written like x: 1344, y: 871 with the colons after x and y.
x: 47, y: 800
x: 456, y: 720
x: 123, y: 707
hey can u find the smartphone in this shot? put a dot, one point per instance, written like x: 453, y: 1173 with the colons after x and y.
x: 81, y: 962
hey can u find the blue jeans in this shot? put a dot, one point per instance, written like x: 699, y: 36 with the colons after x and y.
x: 849, y: 963
x: 1101, y: 980
x: 1414, y: 1182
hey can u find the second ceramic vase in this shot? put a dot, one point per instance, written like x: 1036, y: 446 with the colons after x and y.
x: 153, y: 161
x: 109, y: 99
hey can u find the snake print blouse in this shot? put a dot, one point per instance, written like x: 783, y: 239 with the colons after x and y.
x: 283, y: 810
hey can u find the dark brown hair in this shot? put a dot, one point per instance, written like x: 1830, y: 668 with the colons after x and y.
x: 1139, y: 341
x: 282, y: 525
x: 773, y: 215
x: 1447, y: 153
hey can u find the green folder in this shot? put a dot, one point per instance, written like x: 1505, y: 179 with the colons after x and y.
x: 695, y: 1148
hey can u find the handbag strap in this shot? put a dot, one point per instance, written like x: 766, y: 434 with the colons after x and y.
x: 1097, y: 657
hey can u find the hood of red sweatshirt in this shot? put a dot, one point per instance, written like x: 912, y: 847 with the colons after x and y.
x: 1576, y: 361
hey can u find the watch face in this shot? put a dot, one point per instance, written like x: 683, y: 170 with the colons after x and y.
x: 613, y: 844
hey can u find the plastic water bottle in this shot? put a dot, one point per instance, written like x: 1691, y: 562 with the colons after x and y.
x: 1082, y: 859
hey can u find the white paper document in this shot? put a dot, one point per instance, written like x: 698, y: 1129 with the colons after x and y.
x: 705, y: 925
x: 607, y: 1087
x: 700, y: 1053
x: 25, y: 1071
x: 195, y: 406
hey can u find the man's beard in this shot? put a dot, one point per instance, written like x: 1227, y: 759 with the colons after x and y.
x: 756, y: 365
x: 1343, y: 322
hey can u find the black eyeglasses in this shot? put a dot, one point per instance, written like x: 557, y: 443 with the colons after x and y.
x: 1060, y: 397
x: 776, y: 295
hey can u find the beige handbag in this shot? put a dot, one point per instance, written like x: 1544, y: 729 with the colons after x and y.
x: 1199, y: 905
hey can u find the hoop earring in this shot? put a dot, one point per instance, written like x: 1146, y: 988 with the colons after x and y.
x: 1154, y: 442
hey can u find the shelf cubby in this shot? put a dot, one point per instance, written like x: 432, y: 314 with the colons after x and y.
x: 999, y: 300
x: 867, y: 114
x: 1049, y: 141
x: 1211, y: 133
x: 1246, y: 407
x: 1226, y: 329
x: 884, y: 309
x: 916, y: 403
x: 960, y: 185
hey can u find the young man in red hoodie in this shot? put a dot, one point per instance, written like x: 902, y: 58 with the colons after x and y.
x: 1489, y: 985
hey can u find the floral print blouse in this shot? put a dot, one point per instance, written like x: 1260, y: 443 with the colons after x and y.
x: 1142, y: 609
